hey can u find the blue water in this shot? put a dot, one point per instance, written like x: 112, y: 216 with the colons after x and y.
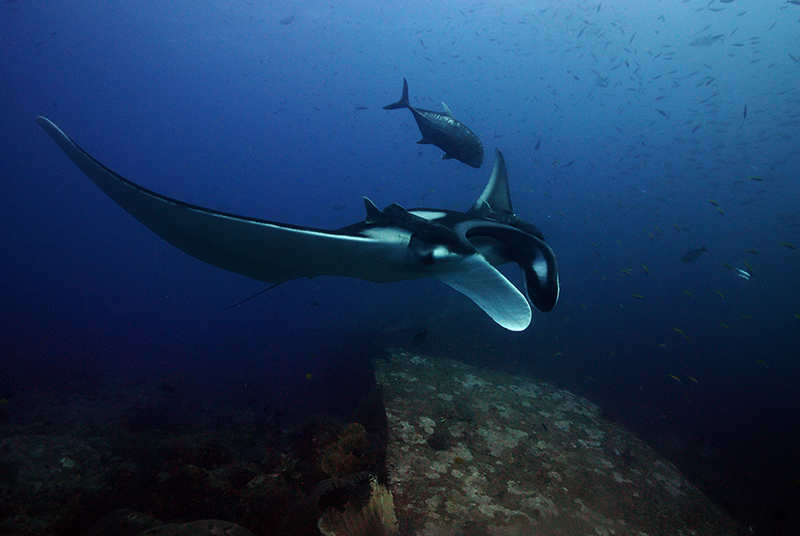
x: 221, y: 105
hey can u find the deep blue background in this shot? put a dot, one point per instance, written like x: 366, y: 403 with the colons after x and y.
x: 221, y: 105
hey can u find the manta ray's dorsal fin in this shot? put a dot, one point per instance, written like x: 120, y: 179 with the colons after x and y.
x: 496, y: 193
x: 373, y: 212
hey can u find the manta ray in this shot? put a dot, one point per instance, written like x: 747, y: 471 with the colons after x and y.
x: 461, y: 249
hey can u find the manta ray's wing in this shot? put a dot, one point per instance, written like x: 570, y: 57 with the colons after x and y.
x: 260, y: 249
x: 276, y: 252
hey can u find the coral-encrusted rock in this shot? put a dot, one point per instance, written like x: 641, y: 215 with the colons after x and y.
x: 125, y: 522
x: 122, y: 522
x: 41, y: 477
x: 204, y: 527
x: 345, y: 456
x: 478, y: 452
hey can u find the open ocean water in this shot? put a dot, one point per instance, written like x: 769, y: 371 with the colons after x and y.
x: 634, y: 133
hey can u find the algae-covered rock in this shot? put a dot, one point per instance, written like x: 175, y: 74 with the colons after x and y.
x: 203, y: 527
x: 42, y: 478
x: 478, y: 452
x: 122, y: 522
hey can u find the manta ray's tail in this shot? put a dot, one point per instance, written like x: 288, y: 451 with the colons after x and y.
x: 403, y: 102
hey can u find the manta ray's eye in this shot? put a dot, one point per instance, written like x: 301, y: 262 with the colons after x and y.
x: 427, y: 258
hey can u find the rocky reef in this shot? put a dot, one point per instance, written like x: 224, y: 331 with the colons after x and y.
x: 447, y: 449
x: 478, y: 452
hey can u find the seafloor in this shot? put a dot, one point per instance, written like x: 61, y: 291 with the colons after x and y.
x: 465, y: 451
x: 478, y: 452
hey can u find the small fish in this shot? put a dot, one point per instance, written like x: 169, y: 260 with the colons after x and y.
x: 662, y: 345
x: 672, y: 376
x: 757, y: 179
x: 685, y: 336
x: 753, y: 251
x: 693, y: 379
x: 719, y: 209
x: 744, y: 114
x: 748, y: 317
x: 788, y: 245
x: 714, y: 203
x: 287, y: 20
x: 693, y: 255
x: 637, y: 296
x: 706, y: 40
x: 662, y: 112
x: 362, y: 107
x: 797, y: 316
x: 696, y: 128
x: 538, y: 144
x: 309, y: 376
x: 646, y: 271
x: 724, y: 325
x: 743, y: 273
x: 688, y: 293
x: 728, y: 266
x: 720, y: 294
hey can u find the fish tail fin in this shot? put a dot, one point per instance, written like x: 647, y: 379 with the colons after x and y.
x: 403, y: 102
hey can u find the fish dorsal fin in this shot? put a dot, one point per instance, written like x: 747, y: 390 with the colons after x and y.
x: 447, y: 111
x: 373, y: 212
x: 496, y: 193
x: 490, y: 290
